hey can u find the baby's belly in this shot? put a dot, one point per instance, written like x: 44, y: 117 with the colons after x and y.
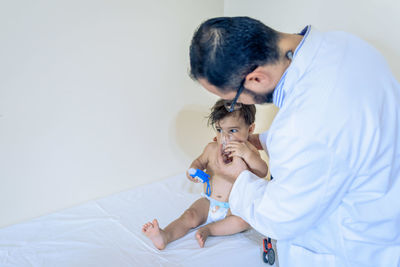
x: 220, y: 189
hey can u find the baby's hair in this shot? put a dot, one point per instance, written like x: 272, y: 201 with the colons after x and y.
x: 218, y: 112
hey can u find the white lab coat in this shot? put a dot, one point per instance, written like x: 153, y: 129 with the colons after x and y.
x: 334, y: 150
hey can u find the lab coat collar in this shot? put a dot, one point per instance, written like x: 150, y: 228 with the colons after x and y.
x: 302, y: 58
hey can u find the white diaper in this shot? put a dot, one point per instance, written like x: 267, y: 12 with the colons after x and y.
x: 217, y: 210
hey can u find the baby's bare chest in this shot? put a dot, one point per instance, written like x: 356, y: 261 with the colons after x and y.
x: 220, y: 187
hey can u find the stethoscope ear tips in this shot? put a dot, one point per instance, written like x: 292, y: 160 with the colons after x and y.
x: 289, y: 55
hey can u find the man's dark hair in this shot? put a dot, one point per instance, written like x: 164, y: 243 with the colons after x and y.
x: 219, y: 112
x: 225, y: 49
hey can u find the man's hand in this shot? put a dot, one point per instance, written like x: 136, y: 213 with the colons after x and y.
x: 231, y: 170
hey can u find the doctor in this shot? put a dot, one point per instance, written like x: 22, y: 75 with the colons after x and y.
x: 334, y: 145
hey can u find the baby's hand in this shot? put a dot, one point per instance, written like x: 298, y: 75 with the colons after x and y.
x: 230, y: 171
x: 195, y: 180
x: 240, y: 149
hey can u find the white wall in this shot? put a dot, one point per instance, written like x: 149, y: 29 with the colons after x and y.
x: 376, y: 21
x: 95, y: 99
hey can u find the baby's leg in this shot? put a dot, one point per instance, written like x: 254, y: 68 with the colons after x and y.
x: 191, y: 218
x: 230, y: 225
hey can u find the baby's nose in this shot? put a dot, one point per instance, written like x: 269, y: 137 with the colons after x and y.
x: 227, y: 135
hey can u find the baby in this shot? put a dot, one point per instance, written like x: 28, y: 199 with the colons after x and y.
x: 233, y: 130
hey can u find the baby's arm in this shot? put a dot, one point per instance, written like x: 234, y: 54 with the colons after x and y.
x: 250, y: 155
x: 200, y: 162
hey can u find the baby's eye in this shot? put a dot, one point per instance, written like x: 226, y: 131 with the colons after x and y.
x: 219, y: 130
x: 234, y: 130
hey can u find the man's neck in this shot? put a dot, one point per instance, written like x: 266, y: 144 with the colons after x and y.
x: 288, y: 42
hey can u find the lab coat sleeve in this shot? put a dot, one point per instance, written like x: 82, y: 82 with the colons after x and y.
x: 309, y: 182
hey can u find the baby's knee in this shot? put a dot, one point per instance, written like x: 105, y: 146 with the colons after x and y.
x: 191, y: 217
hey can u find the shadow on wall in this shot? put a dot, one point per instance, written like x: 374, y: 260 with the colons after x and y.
x: 264, y: 116
x: 190, y: 132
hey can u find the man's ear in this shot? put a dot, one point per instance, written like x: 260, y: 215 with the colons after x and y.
x: 251, y: 128
x: 258, y: 80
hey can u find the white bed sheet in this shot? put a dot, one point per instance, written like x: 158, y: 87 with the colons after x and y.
x: 107, y: 232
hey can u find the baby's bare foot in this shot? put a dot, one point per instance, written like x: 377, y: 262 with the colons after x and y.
x: 156, y: 235
x: 201, y: 235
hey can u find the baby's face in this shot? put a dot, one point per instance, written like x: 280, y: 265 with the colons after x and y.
x: 232, y: 128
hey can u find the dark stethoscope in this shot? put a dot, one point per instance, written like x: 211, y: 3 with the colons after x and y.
x: 268, y: 251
